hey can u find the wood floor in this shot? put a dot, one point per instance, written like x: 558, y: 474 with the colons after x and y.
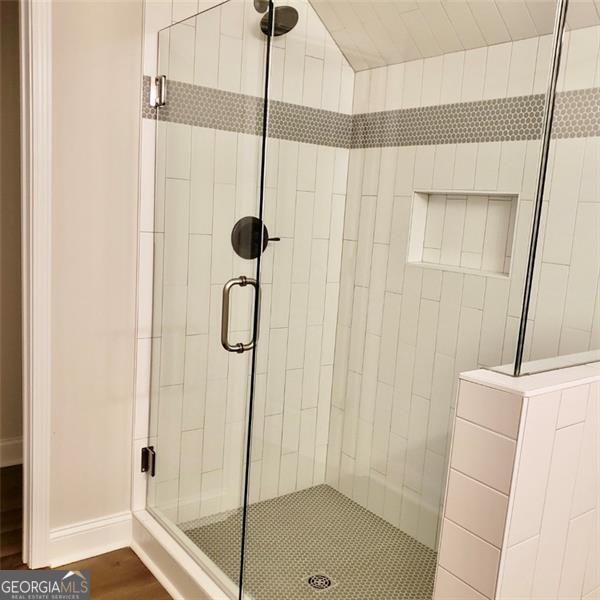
x: 114, y: 576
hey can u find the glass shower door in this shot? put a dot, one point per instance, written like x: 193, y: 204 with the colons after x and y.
x: 207, y: 237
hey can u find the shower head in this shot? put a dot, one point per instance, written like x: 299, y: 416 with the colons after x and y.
x: 286, y: 18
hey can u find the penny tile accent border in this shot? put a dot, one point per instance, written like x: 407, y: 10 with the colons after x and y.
x: 217, y: 109
x: 503, y: 119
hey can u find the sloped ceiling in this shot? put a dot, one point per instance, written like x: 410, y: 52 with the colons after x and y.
x: 382, y: 32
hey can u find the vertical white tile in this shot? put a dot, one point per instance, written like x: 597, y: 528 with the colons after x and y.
x: 297, y: 325
x: 453, y: 230
x: 202, y: 180
x: 214, y: 425
x: 293, y: 78
x: 474, y: 75
x: 426, y: 338
x: 496, y: 235
x: 424, y: 163
x: 379, y: 265
x: 173, y: 335
x: 269, y: 476
x: 291, y: 412
x: 398, y: 243
x: 381, y: 428
x: 276, y: 371
x: 206, y: 59
x: 178, y: 150
x: 512, y: 162
x: 223, y: 221
x: 306, y: 454
x: 581, y: 69
x: 411, y: 90
x: 584, y: 272
x: 562, y: 207
x: 365, y: 240
x: 432, y: 81
x: 547, y: 328
x: 181, y: 53
x: 312, y: 362
x: 191, y: 475
x: 573, y: 406
x: 230, y: 64
x: 417, y: 443
x: 282, y: 271
x: 434, y: 228
x: 313, y: 82
x: 194, y: 385
x: 555, y: 523
x: 390, y: 324
x: 488, y: 163
x: 522, y: 67
x: 317, y: 282
x: 169, y: 429
x: 464, y: 166
x: 377, y: 90
x: 497, y: 71
x: 452, y: 75
x: 579, y: 538
x: 395, y: 86
x: 286, y: 188
x: 198, y: 300
x: 325, y: 172
x: 517, y: 571
x: 444, y: 166
x: 302, y: 237
x: 332, y: 77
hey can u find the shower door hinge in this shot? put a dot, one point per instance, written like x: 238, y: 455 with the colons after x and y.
x: 149, y: 460
x: 158, y: 91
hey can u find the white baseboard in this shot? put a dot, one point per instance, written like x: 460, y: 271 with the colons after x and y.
x: 11, y: 452
x: 90, y: 538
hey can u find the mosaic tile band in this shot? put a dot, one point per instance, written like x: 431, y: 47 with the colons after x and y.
x: 217, y: 109
x: 503, y: 119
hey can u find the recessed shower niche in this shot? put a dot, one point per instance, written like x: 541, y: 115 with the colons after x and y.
x: 463, y: 231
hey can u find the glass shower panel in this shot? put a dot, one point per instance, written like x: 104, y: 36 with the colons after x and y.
x: 401, y: 180
x: 563, y: 322
x: 207, y: 197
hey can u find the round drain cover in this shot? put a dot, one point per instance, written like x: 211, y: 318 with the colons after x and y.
x: 319, y: 582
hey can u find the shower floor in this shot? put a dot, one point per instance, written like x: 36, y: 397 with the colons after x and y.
x: 317, y: 531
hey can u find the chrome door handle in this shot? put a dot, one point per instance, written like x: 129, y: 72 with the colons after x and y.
x: 242, y: 281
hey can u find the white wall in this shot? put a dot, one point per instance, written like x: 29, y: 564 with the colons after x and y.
x: 96, y: 113
x: 10, y: 241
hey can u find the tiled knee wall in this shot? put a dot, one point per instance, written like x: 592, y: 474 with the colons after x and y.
x: 522, y: 509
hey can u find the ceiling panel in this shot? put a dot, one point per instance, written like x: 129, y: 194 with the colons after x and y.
x: 374, y: 33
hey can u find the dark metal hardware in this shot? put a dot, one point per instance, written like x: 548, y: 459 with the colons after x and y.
x: 149, y: 460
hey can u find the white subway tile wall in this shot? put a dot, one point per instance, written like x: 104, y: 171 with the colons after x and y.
x: 205, y: 181
x: 432, y: 325
x: 544, y: 528
x: 372, y: 418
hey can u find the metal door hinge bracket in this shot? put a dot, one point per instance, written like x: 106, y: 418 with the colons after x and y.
x: 158, y: 91
x: 149, y: 460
